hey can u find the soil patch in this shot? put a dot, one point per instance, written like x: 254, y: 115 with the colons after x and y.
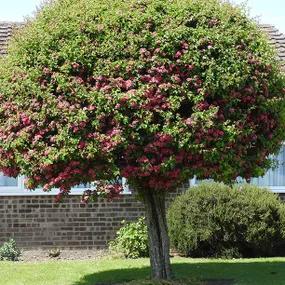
x: 65, y: 254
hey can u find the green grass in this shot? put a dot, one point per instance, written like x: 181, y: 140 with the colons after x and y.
x: 270, y: 271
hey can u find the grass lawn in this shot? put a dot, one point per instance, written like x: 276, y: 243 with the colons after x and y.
x: 270, y: 271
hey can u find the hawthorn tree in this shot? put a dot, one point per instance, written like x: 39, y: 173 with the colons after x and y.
x: 152, y: 90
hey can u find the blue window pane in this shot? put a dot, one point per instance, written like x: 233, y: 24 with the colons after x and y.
x: 276, y: 176
x: 87, y: 186
x: 120, y: 180
x: 6, y: 181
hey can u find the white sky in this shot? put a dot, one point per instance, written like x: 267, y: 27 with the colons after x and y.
x: 17, y: 10
x: 269, y: 11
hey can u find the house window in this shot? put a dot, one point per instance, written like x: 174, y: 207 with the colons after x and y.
x: 9, y: 185
x: 6, y: 181
x: 273, y: 179
x: 15, y: 187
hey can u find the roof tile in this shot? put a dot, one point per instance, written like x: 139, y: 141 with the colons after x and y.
x: 6, y: 30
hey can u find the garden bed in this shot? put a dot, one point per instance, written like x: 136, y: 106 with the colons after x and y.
x: 44, y: 255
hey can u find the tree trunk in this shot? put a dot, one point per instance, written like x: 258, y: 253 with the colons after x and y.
x: 157, y: 234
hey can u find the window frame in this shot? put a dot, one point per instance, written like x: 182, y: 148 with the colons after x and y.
x: 21, y: 190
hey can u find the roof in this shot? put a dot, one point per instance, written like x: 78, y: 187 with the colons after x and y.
x: 276, y: 38
x: 6, y: 30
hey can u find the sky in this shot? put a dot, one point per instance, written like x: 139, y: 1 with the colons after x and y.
x: 267, y: 11
x: 17, y: 10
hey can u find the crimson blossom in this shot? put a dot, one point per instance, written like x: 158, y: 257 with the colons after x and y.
x: 154, y: 91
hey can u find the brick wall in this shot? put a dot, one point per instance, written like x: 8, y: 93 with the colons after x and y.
x: 38, y: 222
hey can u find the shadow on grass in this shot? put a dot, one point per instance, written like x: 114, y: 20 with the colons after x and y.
x: 211, y: 273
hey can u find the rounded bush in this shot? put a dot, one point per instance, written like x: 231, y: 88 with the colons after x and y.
x: 131, y: 240
x: 213, y: 219
x: 156, y: 91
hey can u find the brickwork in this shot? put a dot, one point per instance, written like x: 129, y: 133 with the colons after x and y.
x: 38, y: 222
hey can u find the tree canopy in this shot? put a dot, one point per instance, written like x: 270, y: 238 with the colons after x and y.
x: 156, y: 91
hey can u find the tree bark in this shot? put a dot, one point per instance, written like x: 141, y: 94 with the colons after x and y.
x: 157, y: 234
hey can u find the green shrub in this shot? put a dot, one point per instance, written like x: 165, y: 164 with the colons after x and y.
x: 9, y: 251
x: 131, y: 240
x: 213, y: 219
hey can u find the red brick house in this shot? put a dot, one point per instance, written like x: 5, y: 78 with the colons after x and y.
x: 35, y: 221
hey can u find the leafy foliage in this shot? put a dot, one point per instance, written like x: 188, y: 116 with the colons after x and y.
x: 9, y: 251
x: 131, y: 239
x: 156, y: 91
x: 215, y: 220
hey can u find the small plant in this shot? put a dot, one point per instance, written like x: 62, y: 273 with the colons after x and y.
x: 131, y: 240
x: 53, y: 253
x: 9, y: 251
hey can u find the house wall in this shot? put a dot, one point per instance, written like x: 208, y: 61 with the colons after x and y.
x: 38, y: 222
